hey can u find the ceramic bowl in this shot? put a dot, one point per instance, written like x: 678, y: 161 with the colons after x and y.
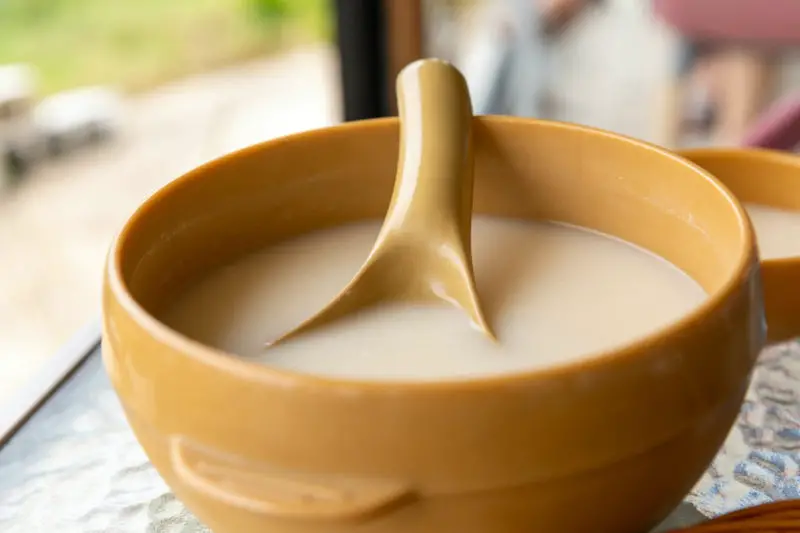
x: 609, y: 444
x: 773, y: 179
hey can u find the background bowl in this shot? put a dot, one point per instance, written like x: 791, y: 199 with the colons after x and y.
x: 608, y: 444
x: 768, y: 178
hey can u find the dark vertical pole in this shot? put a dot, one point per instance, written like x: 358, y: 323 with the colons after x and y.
x: 404, y: 40
x: 360, y: 35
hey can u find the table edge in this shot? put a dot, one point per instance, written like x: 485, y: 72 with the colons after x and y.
x: 47, y: 380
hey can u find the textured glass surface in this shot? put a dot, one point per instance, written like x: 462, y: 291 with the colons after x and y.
x: 760, y: 461
x: 75, y: 467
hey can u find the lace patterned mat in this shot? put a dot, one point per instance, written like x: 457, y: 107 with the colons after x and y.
x: 75, y: 467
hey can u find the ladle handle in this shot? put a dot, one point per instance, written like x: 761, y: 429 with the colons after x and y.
x: 433, y: 192
x: 423, y: 251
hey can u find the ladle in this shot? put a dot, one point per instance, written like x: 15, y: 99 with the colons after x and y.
x: 423, y: 252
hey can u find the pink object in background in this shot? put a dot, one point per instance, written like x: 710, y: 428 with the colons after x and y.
x: 778, y: 128
x: 769, y: 22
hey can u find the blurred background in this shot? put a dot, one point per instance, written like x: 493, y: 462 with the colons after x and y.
x: 102, y: 102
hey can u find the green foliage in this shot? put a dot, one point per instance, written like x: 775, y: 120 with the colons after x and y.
x: 315, y: 14
x: 272, y: 9
x: 137, y: 43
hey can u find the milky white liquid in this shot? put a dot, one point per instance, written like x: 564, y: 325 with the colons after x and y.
x: 553, y: 293
x: 777, y: 230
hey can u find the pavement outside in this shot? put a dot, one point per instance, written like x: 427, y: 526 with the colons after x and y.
x: 56, y: 226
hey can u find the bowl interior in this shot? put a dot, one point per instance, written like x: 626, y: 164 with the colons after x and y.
x: 524, y: 169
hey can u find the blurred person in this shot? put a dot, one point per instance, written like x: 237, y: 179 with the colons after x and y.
x: 727, y: 71
x: 722, y: 89
x: 558, y: 14
x: 530, y: 27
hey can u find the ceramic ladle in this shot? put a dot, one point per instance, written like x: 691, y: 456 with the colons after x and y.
x: 423, y: 252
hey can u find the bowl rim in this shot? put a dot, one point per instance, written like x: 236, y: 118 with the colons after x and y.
x: 243, y: 368
x: 760, y: 154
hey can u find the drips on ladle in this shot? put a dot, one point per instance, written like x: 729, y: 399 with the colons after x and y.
x: 423, y: 251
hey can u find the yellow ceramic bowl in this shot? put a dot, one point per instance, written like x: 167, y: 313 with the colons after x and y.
x: 606, y: 445
x: 769, y: 178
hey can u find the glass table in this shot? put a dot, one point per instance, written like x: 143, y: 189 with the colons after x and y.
x: 71, y: 465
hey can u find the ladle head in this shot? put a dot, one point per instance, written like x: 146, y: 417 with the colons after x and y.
x: 423, y: 252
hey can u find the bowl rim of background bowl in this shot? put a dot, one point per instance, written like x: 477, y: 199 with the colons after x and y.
x: 235, y: 365
x: 761, y: 154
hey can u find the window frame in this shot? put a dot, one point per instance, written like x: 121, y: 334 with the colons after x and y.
x: 46, y: 381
